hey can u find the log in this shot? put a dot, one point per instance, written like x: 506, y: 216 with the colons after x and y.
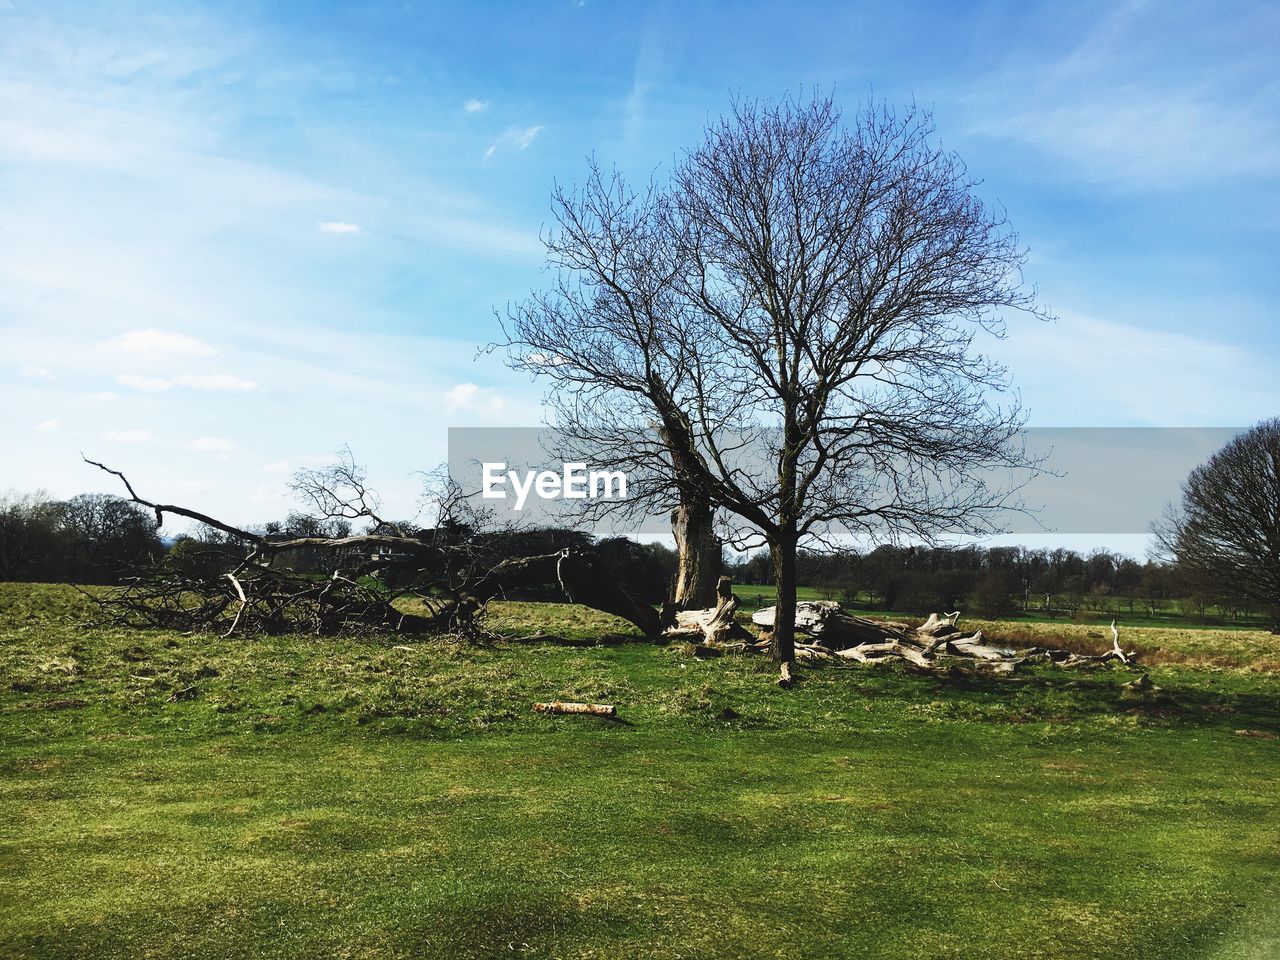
x: 566, y: 706
x: 811, y: 616
x: 831, y: 626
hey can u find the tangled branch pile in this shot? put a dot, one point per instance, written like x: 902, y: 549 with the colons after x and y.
x: 243, y: 581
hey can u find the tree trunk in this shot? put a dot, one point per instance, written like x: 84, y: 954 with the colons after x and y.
x: 783, y: 645
x: 698, y: 565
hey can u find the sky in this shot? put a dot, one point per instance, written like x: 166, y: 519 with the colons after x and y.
x: 236, y: 236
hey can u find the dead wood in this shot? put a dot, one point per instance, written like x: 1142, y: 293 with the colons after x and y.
x: 716, y: 625
x: 256, y: 592
x: 563, y: 706
x: 937, y: 644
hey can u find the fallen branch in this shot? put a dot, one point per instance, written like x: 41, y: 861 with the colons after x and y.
x: 562, y: 706
x: 446, y: 573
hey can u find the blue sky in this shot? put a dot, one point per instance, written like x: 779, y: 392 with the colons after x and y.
x: 236, y: 236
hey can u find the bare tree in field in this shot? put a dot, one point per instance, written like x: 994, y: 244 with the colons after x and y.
x: 608, y: 332
x: 808, y: 293
x: 1226, y: 535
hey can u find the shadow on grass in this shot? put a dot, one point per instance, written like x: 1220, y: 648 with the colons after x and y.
x: 556, y: 640
x: 1221, y: 701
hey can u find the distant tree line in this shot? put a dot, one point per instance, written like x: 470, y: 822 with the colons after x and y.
x: 90, y: 538
x: 97, y: 538
x: 995, y: 581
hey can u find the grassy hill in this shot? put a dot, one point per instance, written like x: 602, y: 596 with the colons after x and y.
x: 172, y: 795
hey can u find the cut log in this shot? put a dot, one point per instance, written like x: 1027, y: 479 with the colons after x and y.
x: 564, y: 706
x: 974, y: 647
x: 811, y: 651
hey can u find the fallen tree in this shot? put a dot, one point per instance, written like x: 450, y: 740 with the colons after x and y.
x: 827, y: 633
x: 244, y: 584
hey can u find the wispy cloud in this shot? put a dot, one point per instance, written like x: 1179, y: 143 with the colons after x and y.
x: 1110, y: 111
x: 161, y: 343
x: 213, y: 382
x: 1147, y: 139
x: 518, y: 137
x: 339, y: 226
x: 476, y: 106
x: 35, y: 372
x: 644, y: 77
x: 53, y: 423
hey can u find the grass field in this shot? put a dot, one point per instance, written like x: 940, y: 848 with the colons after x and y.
x: 164, y: 795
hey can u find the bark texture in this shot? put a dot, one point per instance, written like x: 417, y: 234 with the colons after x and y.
x: 698, y: 565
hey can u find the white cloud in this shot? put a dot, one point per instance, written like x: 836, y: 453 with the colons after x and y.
x: 338, y: 226
x: 103, y: 396
x: 1093, y: 372
x: 476, y: 106
x: 213, y: 382
x: 216, y: 445
x: 266, y: 494
x: 278, y: 466
x: 161, y: 343
x: 35, y: 372
x: 518, y: 137
x: 468, y: 397
x: 127, y: 436
x: 53, y: 423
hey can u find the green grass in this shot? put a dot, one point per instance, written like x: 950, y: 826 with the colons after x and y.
x: 168, y: 795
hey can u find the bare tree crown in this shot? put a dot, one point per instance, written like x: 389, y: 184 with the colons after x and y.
x: 799, y: 286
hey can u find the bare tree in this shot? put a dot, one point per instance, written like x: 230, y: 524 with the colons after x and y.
x: 1226, y: 534
x: 606, y: 333
x: 807, y: 293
